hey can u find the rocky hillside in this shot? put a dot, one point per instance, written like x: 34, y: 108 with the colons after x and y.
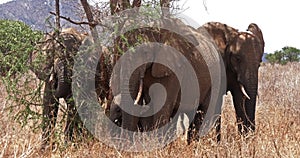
x: 36, y: 12
x: 264, y: 58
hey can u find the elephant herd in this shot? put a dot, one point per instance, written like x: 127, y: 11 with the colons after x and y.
x: 240, y: 51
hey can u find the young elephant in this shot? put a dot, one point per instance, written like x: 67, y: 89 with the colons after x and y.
x: 241, y: 53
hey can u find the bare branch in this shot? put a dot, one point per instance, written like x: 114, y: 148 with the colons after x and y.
x: 165, y: 6
x: 57, y: 19
x: 136, y: 3
x: 89, y: 16
x: 119, y: 5
x: 113, y: 7
x: 95, y: 23
x: 76, y: 22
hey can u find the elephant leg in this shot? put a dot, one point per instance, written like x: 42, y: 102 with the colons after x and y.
x: 129, y: 122
x: 102, y: 78
x: 145, y: 122
x: 218, y: 129
x: 194, y: 128
x: 193, y: 131
x: 73, y: 124
x: 69, y: 124
x: 162, y: 117
x: 165, y: 112
x: 50, y: 110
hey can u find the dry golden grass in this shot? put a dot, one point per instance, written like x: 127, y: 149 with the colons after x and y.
x: 277, y: 134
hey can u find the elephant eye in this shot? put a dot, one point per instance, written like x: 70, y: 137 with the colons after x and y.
x: 237, y: 59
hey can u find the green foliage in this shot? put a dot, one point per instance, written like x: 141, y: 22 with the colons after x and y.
x: 17, y: 41
x: 285, y: 55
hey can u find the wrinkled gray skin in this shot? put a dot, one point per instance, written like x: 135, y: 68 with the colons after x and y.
x: 53, y: 63
x: 155, y: 73
x: 242, y: 53
x: 162, y: 116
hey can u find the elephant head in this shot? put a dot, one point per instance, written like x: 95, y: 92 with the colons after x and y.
x: 55, y: 56
x: 69, y: 43
x: 242, y: 53
x: 140, y: 79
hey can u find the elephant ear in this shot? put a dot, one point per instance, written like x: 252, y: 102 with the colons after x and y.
x: 218, y: 35
x: 255, y: 30
x: 168, y: 61
x: 159, y: 70
x: 222, y: 34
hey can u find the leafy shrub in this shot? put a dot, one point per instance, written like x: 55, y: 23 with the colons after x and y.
x: 285, y: 55
x: 23, y: 89
x: 16, y: 42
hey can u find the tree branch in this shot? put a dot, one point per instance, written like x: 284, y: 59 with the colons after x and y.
x: 136, y: 3
x: 57, y: 19
x: 76, y: 22
x: 90, y: 18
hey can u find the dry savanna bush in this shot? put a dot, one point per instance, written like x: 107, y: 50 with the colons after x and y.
x: 277, y: 134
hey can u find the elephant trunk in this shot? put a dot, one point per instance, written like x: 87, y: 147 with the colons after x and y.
x: 129, y: 121
x: 129, y: 88
x: 139, y: 94
x: 64, y: 79
x: 250, y: 104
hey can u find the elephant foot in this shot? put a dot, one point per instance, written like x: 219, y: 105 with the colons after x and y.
x: 218, y: 129
x: 246, y: 132
x: 218, y: 137
x: 192, y: 136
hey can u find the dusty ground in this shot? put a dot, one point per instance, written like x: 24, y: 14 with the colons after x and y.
x: 277, y: 134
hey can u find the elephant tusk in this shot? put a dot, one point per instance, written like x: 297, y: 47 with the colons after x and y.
x: 51, y: 78
x: 138, y: 97
x: 117, y: 99
x: 244, y: 92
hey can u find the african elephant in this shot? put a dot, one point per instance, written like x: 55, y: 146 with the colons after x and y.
x: 145, y: 76
x: 241, y: 53
x: 52, y: 62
